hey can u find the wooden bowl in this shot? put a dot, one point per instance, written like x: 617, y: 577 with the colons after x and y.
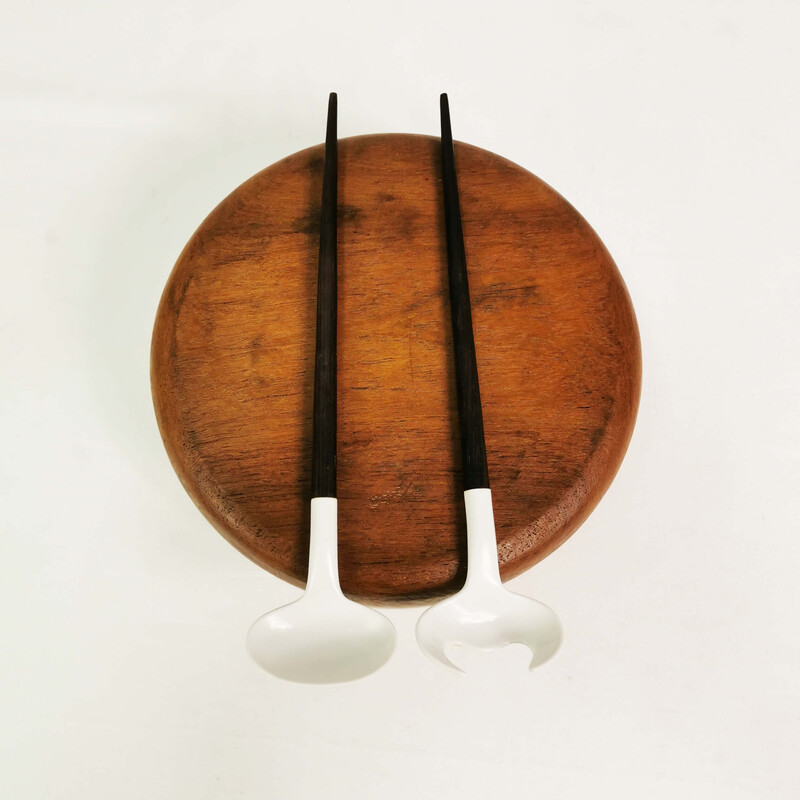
x: 233, y: 352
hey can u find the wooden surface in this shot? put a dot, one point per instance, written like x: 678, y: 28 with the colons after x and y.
x: 233, y: 352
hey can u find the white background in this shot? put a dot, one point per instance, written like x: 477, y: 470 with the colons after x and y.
x: 674, y: 128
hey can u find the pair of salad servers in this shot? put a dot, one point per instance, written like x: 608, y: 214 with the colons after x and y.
x: 324, y: 637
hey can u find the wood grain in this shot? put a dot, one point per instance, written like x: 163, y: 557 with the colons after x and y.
x: 233, y: 355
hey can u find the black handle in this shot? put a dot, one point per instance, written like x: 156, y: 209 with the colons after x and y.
x: 323, y: 448
x: 470, y: 416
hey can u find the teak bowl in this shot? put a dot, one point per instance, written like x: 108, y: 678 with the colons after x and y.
x: 233, y: 355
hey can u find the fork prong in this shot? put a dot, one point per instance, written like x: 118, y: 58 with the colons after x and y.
x: 432, y: 641
x: 437, y: 653
x: 542, y: 651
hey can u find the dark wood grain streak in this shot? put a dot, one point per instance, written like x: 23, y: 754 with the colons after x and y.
x: 233, y: 362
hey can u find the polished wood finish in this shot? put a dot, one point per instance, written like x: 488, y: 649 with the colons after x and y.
x: 233, y: 363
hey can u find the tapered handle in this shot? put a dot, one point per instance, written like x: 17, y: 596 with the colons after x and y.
x: 323, y: 449
x: 470, y: 416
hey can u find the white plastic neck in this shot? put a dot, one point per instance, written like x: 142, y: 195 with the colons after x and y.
x: 323, y: 555
x: 482, y: 564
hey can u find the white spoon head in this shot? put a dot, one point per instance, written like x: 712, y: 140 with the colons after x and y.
x: 316, y: 640
x: 488, y: 618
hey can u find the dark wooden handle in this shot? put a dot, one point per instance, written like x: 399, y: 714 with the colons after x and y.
x: 470, y: 416
x: 323, y: 449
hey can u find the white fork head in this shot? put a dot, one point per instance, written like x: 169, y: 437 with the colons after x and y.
x: 488, y: 616
x: 484, y: 613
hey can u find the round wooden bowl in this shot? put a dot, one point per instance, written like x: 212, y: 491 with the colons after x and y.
x: 233, y: 354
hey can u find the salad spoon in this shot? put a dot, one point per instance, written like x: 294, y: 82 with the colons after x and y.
x: 323, y: 637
